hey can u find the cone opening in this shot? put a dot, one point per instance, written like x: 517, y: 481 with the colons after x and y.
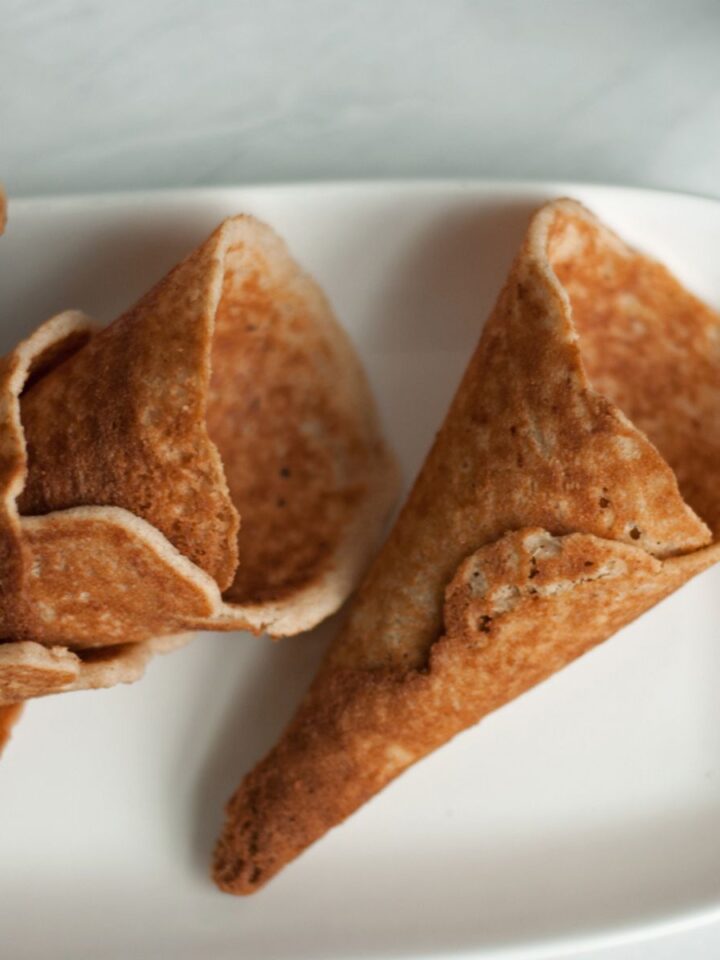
x: 227, y: 389
x: 270, y: 415
x: 649, y: 346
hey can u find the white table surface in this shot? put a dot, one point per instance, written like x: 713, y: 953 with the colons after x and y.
x: 155, y: 93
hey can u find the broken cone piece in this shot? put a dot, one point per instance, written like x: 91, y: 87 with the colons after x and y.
x: 31, y: 670
x: 571, y: 487
x: 211, y: 460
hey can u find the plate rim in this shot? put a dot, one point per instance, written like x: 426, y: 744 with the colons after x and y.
x: 646, y: 929
x: 439, y: 185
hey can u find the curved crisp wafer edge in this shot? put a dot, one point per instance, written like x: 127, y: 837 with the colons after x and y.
x: 696, y: 533
x: 309, y: 604
x: 54, y: 539
x: 29, y: 670
x: 131, y: 554
x: 66, y: 331
x: 303, y: 607
x: 312, y: 604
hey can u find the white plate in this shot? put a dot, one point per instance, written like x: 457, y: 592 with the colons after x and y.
x: 588, y: 809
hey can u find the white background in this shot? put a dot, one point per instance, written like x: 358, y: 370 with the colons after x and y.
x: 110, y: 96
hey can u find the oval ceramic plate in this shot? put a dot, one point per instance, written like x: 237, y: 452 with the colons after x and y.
x: 589, y: 809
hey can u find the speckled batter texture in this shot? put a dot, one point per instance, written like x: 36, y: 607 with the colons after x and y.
x: 571, y: 487
x: 223, y: 418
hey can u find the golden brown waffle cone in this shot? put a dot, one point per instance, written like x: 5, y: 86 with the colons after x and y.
x: 128, y: 456
x: 546, y: 516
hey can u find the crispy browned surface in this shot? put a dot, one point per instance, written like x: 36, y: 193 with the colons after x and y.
x: 458, y: 614
x: 127, y: 529
x: 132, y: 431
x: 29, y: 670
x: 9, y: 716
x: 53, y: 340
x: 122, y: 591
x: 10, y: 561
x: 237, y: 346
x: 291, y: 415
x: 516, y: 611
x: 12, y: 554
x: 527, y: 441
x: 86, y: 576
x: 660, y: 364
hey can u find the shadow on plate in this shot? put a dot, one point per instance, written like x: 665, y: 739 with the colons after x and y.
x: 266, y: 684
x: 101, y: 270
